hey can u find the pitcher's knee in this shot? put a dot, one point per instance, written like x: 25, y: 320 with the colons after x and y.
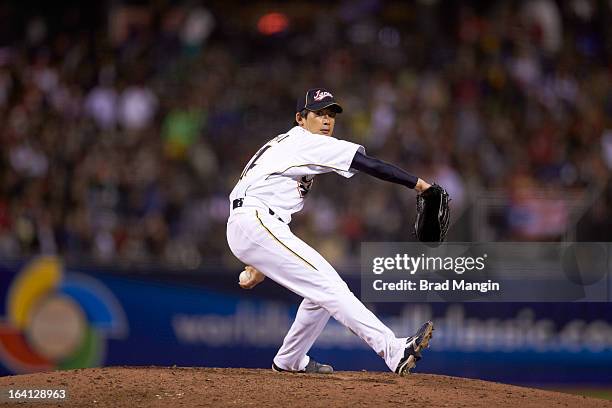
x: 330, y: 295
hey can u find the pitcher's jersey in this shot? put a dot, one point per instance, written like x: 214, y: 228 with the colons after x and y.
x: 281, y: 173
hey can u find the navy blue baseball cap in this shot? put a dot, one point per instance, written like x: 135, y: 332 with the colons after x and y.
x: 317, y: 99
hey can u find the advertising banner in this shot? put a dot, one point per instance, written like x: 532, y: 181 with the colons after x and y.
x: 58, y: 317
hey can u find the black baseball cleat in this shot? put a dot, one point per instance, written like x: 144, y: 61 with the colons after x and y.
x: 414, y: 346
x: 312, y: 367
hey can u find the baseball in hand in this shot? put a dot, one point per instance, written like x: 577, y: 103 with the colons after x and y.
x: 244, y: 277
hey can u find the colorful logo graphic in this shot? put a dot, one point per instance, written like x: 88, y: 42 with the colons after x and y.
x: 57, y: 320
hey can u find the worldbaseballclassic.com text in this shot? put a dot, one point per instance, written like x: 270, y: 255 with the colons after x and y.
x: 412, y: 264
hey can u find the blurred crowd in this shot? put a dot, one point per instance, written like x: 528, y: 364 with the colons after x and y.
x: 125, y: 126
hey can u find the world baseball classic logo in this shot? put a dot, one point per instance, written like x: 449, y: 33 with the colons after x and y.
x: 57, y: 320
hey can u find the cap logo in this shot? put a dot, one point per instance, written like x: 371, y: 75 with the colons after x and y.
x: 318, y: 96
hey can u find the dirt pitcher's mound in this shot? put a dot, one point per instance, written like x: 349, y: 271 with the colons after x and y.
x: 214, y: 387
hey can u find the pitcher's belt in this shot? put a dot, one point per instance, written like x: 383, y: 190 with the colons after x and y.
x: 239, y: 202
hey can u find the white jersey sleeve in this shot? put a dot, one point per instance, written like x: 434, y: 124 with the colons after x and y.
x: 323, y: 154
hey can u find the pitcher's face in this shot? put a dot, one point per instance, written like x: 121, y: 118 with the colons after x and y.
x: 319, y: 122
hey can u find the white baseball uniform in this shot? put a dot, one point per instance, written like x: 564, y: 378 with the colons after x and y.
x: 271, y: 188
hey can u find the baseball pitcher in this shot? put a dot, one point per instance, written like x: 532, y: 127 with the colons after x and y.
x: 271, y: 188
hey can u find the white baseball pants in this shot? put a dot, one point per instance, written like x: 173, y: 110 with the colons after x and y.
x: 264, y: 242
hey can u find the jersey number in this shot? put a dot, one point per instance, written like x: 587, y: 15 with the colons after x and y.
x: 253, y: 162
